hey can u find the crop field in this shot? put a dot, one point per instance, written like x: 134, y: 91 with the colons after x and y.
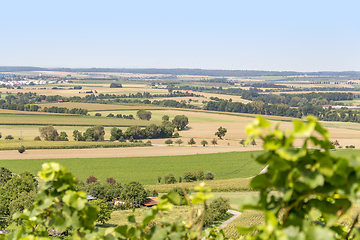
x: 147, y: 169
x: 229, y: 188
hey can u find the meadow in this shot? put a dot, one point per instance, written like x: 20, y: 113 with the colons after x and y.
x: 147, y: 169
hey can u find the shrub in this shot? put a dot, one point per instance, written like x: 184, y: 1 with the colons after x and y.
x: 176, y: 135
x: 9, y: 137
x: 110, y: 115
x: 209, y: 175
x: 97, y: 114
x: 169, y: 141
x: 148, y: 142
x: 170, y: 179
x: 110, y: 180
x: 200, y: 175
x: 190, y: 177
x: 21, y: 149
x: 104, y: 213
x: 159, y: 179
x: 37, y: 138
x: 0, y: 135
x: 91, y: 179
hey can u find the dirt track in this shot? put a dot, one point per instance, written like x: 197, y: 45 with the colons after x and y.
x: 118, y: 152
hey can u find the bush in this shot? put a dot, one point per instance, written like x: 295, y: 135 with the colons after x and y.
x: 190, y: 177
x: 176, y: 135
x: 154, y: 193
x: 148, y: 142
x: 110, y: 115
x: 200, y: 175
x: 37, y: 138
x: 217, y: 210
x: 104, y: 213
x: 9, y: 137
x: 169, y: 141
x: 21, y: 149
x: 91, y: 179
x: 170, y: 179
x: 110, y: 180
x: 97, y: 114
x: 209, y: 175
x: 0, y: 135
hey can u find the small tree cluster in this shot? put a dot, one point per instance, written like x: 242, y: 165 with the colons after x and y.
x: 170, y: 179
x: 49, y: 133
x: 143, y: 114
x: 194, y: 176
x: 95, y: 133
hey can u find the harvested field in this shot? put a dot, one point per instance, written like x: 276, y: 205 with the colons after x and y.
x: 37, y: 119
x: 116, y: 152
x: 98, y: 106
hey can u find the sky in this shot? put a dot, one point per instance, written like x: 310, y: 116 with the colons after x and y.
x: 273, y: 35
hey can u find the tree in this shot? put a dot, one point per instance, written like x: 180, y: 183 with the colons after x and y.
x: 214, y: 142
x: 253, y: 142
x: 191, y: 141
x: 104, y: 213
x: 242, y: 142
x: 179, y: 141
x: 221, y: 132
x: 49, y: 133
x: 95, y: 133
x: 159, y: 179
x: 180, y: 122
x: 116, y: 133
x: 143, y: 114
x: 63, y: 136
x: 5, y: 175
x: 204, y: 143
x: 165, y: 118
x: 0, y: 135
x: 37, y: 138
x: 170, y: 179
x: 134, y: 191
x: 169, y: 141
x: 133, y: 131
x: 97, y: 114
x: 115, y: 85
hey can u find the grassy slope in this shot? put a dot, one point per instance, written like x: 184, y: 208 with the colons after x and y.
x: 147, y: 169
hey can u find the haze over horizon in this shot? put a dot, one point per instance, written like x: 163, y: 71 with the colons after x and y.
x: 232, y: 35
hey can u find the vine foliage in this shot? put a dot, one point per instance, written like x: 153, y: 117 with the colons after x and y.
x: 305, y: 189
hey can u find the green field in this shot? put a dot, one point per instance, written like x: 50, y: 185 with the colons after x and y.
x: 147, y: 169
x: 59, y: 120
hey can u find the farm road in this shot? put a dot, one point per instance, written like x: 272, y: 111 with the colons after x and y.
x: 236, y: 215
x: 116, y: 152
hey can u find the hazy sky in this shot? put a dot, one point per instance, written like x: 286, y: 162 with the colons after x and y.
x: 254, y: 35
